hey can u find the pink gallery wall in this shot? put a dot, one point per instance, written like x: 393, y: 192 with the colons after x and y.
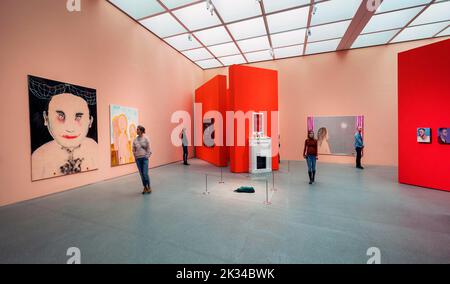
x: 100, y: 48
x: 357, y: 82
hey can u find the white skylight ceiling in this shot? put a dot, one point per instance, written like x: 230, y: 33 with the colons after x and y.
x: 288, y: 38
x: 208, y: 64
x: 445, y: 32
x: 233, y: 10
x: 391, y: 5
x: 224, y: 49
x: 259, y: 56
x: 328, y: 31
x: 183, y: 42
x: 196, y: 17
x: 290, y: 51
x: 322, y: 46
x: 436, y: 12
x: 198, y: 54
x: 171, y: 4
x: 247, y: 29
x: 391, y: 20
x: 230, y: 60
x: 244, y: 31
x: 139, y: 8
x: 254, y: 44
x: 213, y: 36
x: 335, y: 10
x: 278, y: 5
x: 289, y: 20
x: 374, y: 38
x: 419, y: 32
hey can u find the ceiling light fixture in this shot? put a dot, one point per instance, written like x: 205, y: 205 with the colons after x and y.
x: 210, y: 7
x: 372, y: 5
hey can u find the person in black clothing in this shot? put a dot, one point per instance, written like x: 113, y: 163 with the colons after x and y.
x: 185, y: 141
x: 359, y: 147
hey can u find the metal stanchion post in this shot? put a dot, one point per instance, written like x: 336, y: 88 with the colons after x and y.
x: 221, y: 176
x: 273, y: 182
x: 267, y: 202
x: 206, y: 188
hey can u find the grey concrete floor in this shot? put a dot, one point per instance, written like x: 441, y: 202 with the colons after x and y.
x: 334, y: 221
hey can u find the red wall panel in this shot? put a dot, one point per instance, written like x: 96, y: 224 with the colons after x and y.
x: 252, y: 89
x: 212, y: 96
x: 424, y: 101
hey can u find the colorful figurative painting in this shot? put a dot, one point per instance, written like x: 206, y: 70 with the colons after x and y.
x: 63, y: 127
x: 123, y: 124
x: 424, y: 135
x: 335, y: 134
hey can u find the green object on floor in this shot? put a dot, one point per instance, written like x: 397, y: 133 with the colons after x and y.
x: 245, y: 189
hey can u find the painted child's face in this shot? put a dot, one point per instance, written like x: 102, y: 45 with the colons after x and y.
x: 68, y: 120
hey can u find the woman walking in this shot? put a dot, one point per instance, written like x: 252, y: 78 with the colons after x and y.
x: 141, y: 152
x: 310, y: 154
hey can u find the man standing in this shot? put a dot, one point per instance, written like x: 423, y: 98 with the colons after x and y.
x: 185, y: 146
x: 359, y: 146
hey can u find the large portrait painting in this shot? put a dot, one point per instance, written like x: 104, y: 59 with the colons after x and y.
x: 335, y: 134
x: 123, y: 125
x: 63, y: 124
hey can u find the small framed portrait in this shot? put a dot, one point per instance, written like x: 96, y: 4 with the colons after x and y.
x: 424, y: 135
x: 443, y: 136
